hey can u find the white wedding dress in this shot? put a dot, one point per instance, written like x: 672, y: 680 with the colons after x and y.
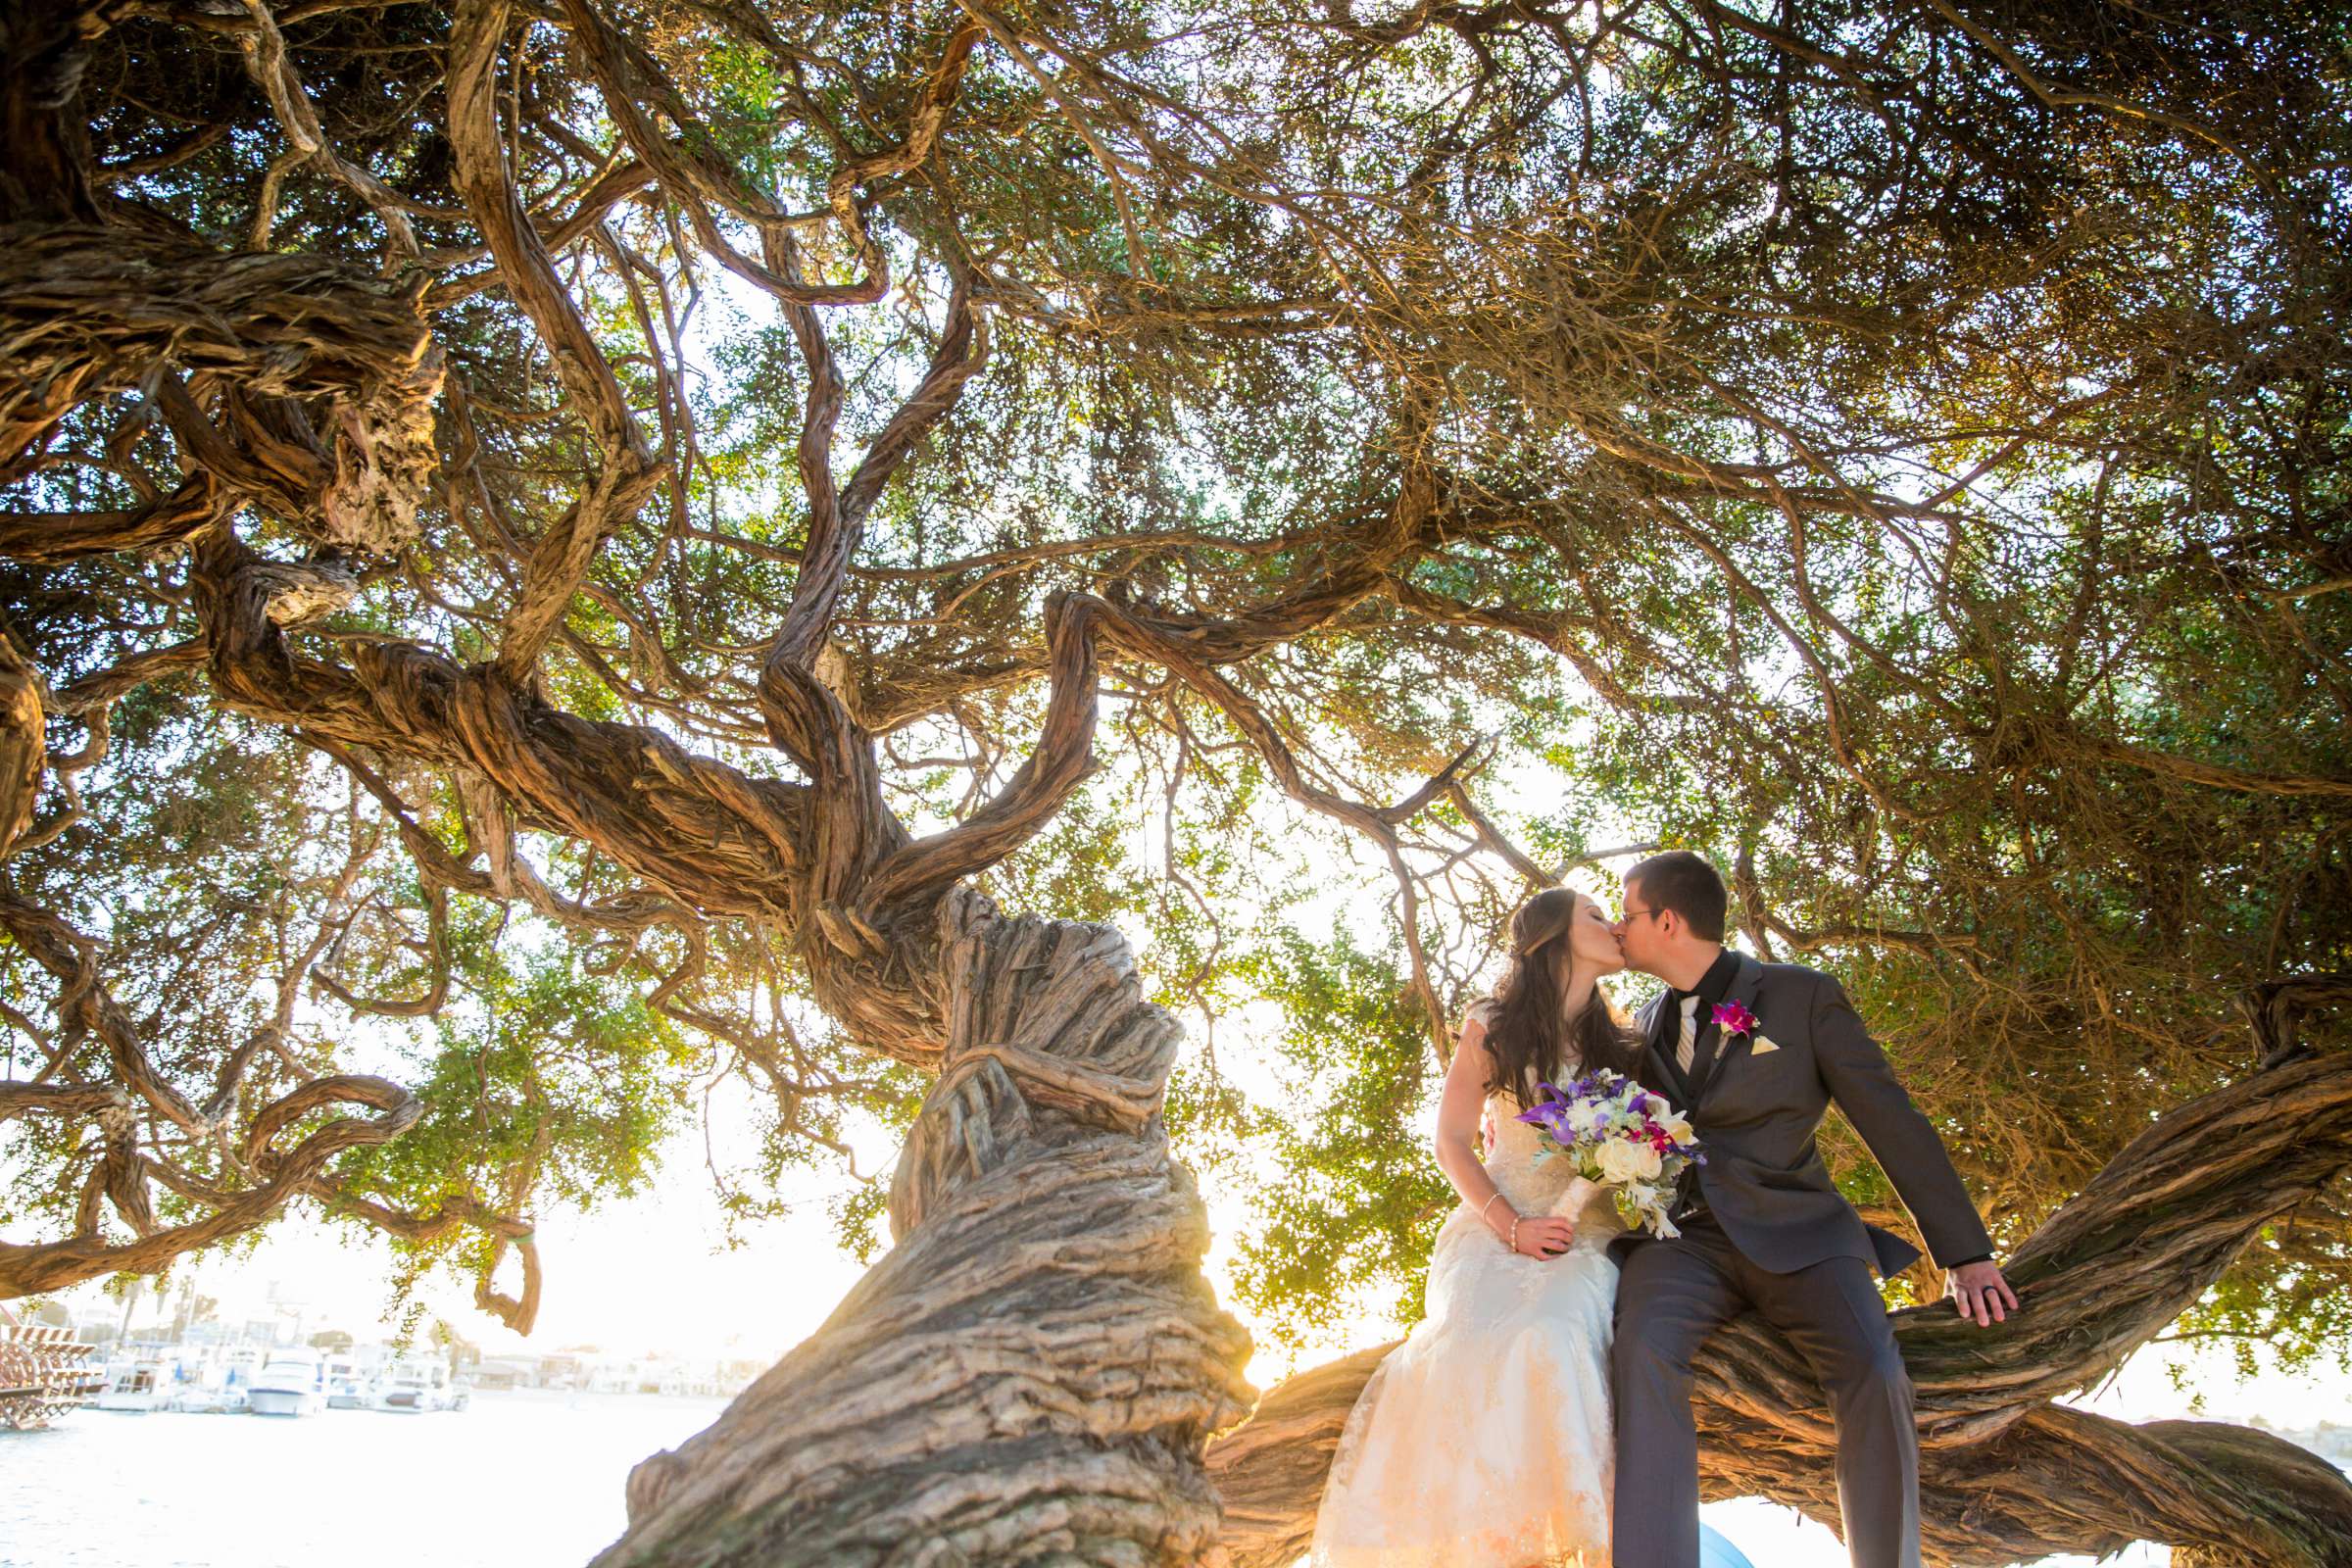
x: 1483, y: 1440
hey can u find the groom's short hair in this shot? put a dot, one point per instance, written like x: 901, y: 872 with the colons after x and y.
x: 1687, y: 884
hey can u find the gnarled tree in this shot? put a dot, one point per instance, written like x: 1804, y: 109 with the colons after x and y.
x: 790, y: 499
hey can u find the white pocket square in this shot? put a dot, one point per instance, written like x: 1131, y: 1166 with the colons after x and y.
x: 1761, y: 1045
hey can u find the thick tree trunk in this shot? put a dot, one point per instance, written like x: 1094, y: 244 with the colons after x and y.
x: 1031, y: 1373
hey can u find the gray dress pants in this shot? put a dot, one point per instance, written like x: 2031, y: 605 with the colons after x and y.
x: 1671, y: 1295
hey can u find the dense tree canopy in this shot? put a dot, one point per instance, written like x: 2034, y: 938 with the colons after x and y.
x: 546, y: 543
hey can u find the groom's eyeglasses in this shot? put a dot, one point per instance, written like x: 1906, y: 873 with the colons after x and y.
x: 1631, y: 913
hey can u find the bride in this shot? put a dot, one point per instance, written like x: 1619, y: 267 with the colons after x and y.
x: 1483, y: 1441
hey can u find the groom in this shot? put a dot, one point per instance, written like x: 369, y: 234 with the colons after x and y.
x: 1756, y: 1053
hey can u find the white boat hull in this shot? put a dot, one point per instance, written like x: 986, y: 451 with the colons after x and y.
x: 209, y: 1401
x: 136, y: 1403
x: 286, y: 1401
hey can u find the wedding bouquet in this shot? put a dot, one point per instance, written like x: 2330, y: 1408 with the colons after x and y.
x: 1619, y: 1136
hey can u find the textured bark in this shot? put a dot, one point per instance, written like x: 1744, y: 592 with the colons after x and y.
x: 726, y: 841
x: 324, y: 380
x: 561, y: 559
x: 64, y: 1099
x: 1030, y: 1373
x: 42, y: 58
x: 2005, y: 1475
x: 24, y: 746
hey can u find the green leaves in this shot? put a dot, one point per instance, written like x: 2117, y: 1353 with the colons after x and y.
x: 1343, y: 1218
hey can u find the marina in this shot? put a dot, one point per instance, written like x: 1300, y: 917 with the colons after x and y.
x: 302, y: 1380
x: 285, y: 1366
x: 272, y: 1380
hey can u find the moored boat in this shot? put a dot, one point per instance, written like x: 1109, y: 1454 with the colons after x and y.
x: 290, y: 1383
x: 135, y: 1386
x: 208, y: 1395
x: 415, y: 1387
x: 349, y: 1387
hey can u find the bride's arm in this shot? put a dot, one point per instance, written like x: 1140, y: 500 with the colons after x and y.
x: 1460, y: 1111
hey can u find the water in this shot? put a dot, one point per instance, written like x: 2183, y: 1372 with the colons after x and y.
x: 530, y: 1478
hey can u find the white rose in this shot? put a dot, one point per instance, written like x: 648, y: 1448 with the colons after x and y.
x: 1646, y: 1162
x: 1619, y: 1161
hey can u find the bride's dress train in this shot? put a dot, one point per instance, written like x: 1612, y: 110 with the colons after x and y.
x: 1483, y: 1440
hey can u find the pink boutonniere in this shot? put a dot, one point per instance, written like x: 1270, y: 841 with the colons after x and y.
x: 1734, y: 1018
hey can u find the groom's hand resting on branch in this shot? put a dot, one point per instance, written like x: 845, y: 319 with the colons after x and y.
x: 1544, y: 1235
x: 1979, y: 1291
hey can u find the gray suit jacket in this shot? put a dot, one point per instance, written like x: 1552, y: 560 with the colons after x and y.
x: 1756, y: 1116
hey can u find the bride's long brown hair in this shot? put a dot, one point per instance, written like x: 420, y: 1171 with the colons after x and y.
x: 1527, y: 1038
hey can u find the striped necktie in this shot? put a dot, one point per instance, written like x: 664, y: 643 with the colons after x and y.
x: 1686, y: 1049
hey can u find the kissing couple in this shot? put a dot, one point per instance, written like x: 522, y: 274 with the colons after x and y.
x: 1539, y: 1415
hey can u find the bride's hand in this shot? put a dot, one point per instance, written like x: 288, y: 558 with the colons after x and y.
x: 1545, y: 1236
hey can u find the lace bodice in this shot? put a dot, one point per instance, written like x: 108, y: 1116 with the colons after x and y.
x: 1529, y: 1186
